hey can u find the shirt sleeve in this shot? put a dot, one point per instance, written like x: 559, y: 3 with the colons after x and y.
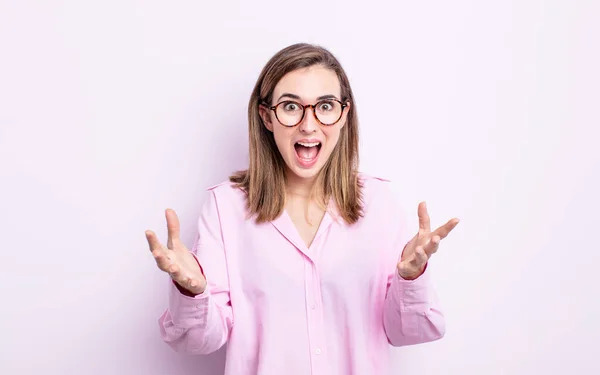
x: 411, y: 310
x: 201, y: 324
x: 411, y: 313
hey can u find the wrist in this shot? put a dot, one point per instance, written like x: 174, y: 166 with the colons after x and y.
x: 197, y: 289
x: 184, y: 291
x: 412, y: 275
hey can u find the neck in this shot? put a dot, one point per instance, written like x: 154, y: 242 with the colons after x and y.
x: 297, y: 187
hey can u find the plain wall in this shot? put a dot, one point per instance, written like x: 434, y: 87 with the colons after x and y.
x: 112, y: 111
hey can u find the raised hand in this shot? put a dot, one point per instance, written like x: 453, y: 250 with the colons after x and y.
x: 175, y: 259
x: 424, y: 244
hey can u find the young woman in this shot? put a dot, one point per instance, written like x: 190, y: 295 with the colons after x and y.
x: 302, y: 265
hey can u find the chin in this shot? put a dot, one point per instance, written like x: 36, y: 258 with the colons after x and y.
x: 307, y: 174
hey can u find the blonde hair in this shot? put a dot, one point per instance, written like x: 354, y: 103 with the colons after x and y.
x: 264, y: 180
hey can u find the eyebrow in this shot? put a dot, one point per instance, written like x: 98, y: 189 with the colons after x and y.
x: 294, y: 96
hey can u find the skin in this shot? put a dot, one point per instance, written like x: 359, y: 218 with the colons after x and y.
x: 305, y: 86
x: 423, y: 245
x: 175, y: 259
x: 308, y: 84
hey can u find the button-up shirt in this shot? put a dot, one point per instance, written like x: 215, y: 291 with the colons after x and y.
x: 332, y: 308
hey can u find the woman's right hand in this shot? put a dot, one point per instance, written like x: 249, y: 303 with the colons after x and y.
x: 175, y: 259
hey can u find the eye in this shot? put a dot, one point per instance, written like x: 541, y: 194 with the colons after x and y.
x: 326, y: 106
x: 291, y: 106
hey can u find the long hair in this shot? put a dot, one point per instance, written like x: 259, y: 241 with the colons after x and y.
x: 264, y: 180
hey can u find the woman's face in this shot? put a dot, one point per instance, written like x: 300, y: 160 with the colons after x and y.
x: 305, y: 147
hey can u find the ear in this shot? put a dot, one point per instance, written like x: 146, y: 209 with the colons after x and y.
x: 345, y: 114
x: 265, y: 115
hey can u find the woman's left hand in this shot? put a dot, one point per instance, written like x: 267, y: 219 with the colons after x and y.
x: 425, y: 243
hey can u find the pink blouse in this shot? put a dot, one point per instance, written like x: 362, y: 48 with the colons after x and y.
x: 332, y: 308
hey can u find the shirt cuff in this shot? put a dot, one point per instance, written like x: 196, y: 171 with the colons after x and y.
x: 188, y: 311
x: 411, y: 295
x: 186, y: 308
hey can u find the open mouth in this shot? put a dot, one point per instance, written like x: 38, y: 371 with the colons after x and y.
x: 307, y: 152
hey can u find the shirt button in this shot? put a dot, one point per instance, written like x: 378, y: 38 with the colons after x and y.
x: 318, y: 351
x: 313, y: 306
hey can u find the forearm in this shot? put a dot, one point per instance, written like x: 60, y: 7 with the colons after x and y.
x: 195, y: 325
x: 412, y: 314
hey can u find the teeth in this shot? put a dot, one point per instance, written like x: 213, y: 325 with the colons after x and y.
x: 312, y: 144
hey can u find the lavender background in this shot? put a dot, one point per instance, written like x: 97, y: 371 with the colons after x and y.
x: 111, y: 111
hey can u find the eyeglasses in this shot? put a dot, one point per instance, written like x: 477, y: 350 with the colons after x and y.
x: 327, y: 112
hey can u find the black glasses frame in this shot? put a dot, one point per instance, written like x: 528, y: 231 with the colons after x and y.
x: 304, y: 106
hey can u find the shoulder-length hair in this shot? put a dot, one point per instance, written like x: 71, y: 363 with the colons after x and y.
x: 264, y: 180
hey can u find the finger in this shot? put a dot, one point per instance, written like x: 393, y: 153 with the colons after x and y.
x: 432, y: 246
x: 445, y: 229
x: 424, y: 222
x: 420, y: 257
x: 176, y: 273
x: 162, y: 260
x: 193, y: 284
x: 414, y: 264
x: 153, y: 241
x: 172, y: 227
x: 180, y: 278
x: 187, y: 282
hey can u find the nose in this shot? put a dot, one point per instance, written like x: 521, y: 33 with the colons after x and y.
x: 309, y: 123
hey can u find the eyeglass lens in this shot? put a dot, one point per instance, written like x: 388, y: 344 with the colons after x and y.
x: 290, y: 113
